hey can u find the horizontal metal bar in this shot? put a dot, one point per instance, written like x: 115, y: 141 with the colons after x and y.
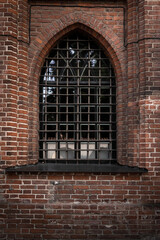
x: 81, y: 140
x: 79, y: 67
x: 79, y: 151
x: 73, y: 113
x: 63, y: 85
x: 79, y: 131
x: 77, y: 94
x: 72, y: 104
x: 81, y: 122
x: 75, y: 76
x: 54, y: 57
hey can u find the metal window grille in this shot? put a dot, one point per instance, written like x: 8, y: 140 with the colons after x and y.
x: 77, y: 103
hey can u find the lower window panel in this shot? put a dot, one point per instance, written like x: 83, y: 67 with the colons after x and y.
x: 69, y: 150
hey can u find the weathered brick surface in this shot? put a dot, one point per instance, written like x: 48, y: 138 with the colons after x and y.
x: 81, y: 206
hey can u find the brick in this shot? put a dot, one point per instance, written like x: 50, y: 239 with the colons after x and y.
x: 81, y: 205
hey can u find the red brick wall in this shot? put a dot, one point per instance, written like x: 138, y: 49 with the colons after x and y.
x: 81, y: 206
x: 14, y: 82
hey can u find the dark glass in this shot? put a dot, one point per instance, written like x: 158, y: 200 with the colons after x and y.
x: 84, y: 131
x: 51, y: 132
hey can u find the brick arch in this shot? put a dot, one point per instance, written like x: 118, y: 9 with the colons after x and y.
x: 55, y: 30
x: 43, y: 43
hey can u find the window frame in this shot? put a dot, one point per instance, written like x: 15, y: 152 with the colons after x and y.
x: 57, y: 142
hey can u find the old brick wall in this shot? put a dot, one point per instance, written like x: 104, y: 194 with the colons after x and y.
x: 14, y: 82
x: 78, y: 205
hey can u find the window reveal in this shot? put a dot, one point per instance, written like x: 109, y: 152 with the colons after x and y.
x: 77, y: 103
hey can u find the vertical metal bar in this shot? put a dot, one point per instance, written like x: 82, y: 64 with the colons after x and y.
x: 67, y: 102
x: 110, y: 111
x: 89, y: 102
x: 78, y: 127
x: 99, y: 104
x: 47, y: 76
x: 57, y: 104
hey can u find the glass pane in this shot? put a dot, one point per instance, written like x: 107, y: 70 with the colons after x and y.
x: 51, y: 132
x: 72, y: 52
x: 104, y: 150
x: 53, y: 53
x: 62, y: 114
x: 95, y: 71
x: 71, y: 132
x: 62, y: 63
x: 83, y: 54
x: 104, y: 99
x: 63, y: 54
x: 93, y: 95
x: 72, y: 80
x: 63, y: 152
x: 92, y: 132
x: 84, y: 91
x: 84, y: 114
x: 84, y: 95
x: 105, y: 62
x: 83, y: 45
x: 51, y: 117
x: 62, y: 96
x: 67, y: 150
x: 51, y: 73
x: 71, y: 95
x: 63, y: 44
x: 105, y: 81
x: 74, y: 63
x: 94, y: 80
x: 105, y: 72
x: 113, y: 117
x: 93, y: 45
x: 93, y: 114
x: 104, y: 116
x: 105, y: 91
x: 71, y: 151
x: 51, y: 147
x: 94, y: 62
x: 51, y: 109
x: 104, y: 131
x: 70, y: 117
x: 113, y: 135
x: 49, y: 91
x: 84, y: 131
x: 62, y: 131
x: 73, y: 44
x: 112, y: 72
x: 87, y: 150
x: 113, y: 90
x: 113, y: 99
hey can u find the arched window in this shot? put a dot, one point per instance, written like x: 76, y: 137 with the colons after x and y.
x: 77, y: 103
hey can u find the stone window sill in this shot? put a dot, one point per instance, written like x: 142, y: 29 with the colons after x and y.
x: 84, y: 168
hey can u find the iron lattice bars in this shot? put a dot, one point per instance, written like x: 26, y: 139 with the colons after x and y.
x: 77, y: 103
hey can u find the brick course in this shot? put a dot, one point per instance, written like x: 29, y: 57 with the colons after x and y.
x: 80, y: 205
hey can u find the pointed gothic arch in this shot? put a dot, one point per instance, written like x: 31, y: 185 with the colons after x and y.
x: 77, y: 104
x: 41, y: 47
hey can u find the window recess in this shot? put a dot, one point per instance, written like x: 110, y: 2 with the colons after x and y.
x: 77, y: 104
x: 77, y: 113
